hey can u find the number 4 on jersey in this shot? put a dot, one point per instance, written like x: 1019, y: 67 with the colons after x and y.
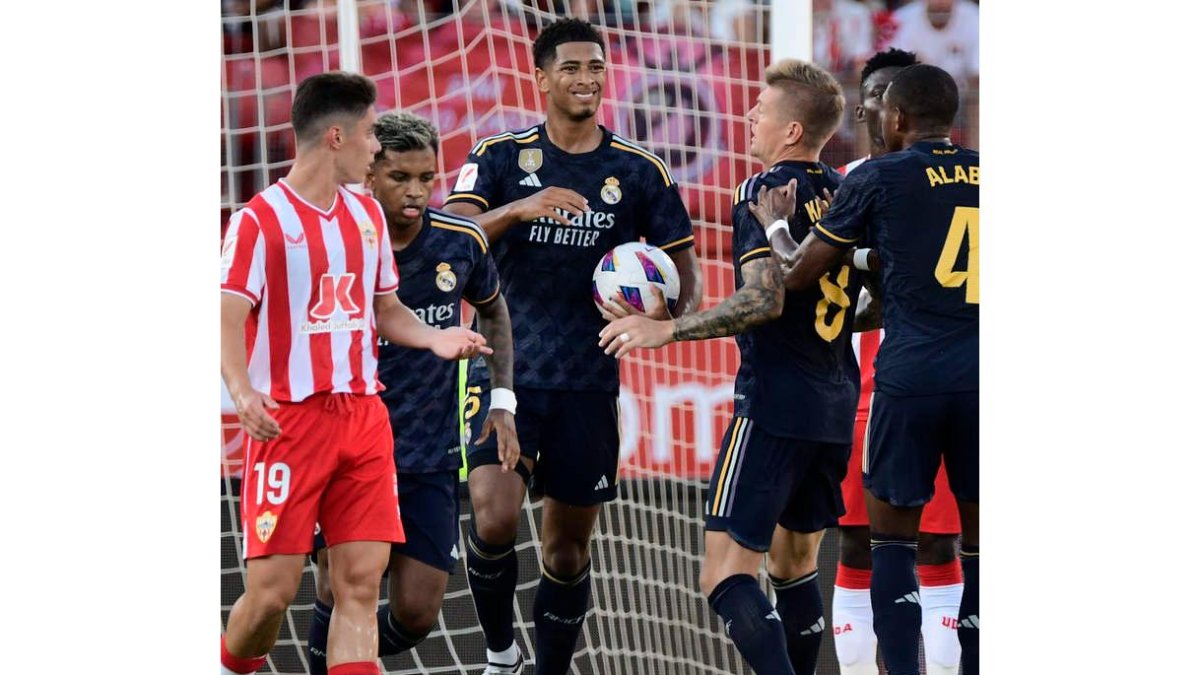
x: 965, y: 223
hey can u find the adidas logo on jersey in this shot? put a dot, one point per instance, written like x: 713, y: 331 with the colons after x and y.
x: 817, y: 627
x: 454, y: 552
x: 773, y: 615
x: 603, y: 483
x: 531, y: 181
x: 909, y: 597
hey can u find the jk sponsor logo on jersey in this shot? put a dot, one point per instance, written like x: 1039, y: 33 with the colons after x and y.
x: 333, y: 298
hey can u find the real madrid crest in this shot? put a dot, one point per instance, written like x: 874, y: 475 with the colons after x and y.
x: 530, y: 159
x: 368, y: 232
x: 445, y: 277
x: 611, y: 193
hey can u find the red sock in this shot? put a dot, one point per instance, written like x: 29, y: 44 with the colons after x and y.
x: 356, y: 668
x: 852, y: 578
x: 940, y: 575
x: 240, y: 664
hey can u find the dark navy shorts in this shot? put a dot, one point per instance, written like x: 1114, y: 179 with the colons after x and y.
x: 908, y: 437
x: 573, y: 438
x: 760, y: 480
x: 429, y: 511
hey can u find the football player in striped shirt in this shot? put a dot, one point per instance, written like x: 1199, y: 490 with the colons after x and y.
x: 938, y: 569
x: 918, y: 206
x: 776, y: 484
x: 554, y: 198
x: 442, y: 260
x: 308, y: 282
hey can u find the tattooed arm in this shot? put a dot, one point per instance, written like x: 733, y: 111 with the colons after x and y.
x: 759, y: 300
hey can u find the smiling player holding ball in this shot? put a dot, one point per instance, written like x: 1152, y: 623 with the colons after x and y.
x: 553, y: 199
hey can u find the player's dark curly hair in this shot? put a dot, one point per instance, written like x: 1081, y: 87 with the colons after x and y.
x: 927, y: 94
x: 401, y: 132
x: 892, y: 58
x: 562, y: 31
x: 327, y: 95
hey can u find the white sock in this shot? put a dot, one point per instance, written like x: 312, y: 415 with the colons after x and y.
x: 939, y: 621
x: 511, y: 654
x: 854, y: 631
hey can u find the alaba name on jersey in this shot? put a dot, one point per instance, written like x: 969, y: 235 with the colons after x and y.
x: 445, y: 263
x: 311, y: 276
x: 798, y: 376
x: 546, y: 267
x: 919, y: 208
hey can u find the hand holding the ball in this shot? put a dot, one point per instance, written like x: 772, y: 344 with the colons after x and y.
x: 617, y: 307
x: 627, y: 333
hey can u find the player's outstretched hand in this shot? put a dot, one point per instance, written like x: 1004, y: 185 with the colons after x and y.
x: 459, y: 343
x: 252, y: 412
x: 507, y: 445
x: 775, y: 204
x: 545, y: 203
x: 617, y: 307
x: 627, y: 333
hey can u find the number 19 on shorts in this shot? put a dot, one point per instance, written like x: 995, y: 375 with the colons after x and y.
x: 273, y: 482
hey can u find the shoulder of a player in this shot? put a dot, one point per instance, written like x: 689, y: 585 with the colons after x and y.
x: 368, y: 203
x: 652, y: 163
x: 249, y: 212
x: 770, y: 178
x: 455, y: 226
x: 502, y: 144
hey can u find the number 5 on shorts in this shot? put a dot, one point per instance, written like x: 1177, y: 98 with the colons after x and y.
x: 965, y: 223
x: 278, y: 478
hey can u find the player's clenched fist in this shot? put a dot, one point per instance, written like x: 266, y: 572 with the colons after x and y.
x: 549, y: 202
x: 459, y: 343
x: 252, y: 412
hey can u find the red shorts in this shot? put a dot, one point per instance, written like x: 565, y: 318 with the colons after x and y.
x: 940, y: 515
x: 333, y: 464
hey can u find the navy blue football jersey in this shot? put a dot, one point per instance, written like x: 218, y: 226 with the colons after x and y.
x: 919, y: 208
x: 546, y: 267
x: 798, y: 377
x: 447, y: 262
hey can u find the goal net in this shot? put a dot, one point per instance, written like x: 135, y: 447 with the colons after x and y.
x: 682, y: 77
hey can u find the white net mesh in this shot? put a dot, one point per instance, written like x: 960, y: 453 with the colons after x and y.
x: 682, y: 77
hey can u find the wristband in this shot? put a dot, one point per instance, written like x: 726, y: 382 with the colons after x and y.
x: 780, y: 224
x: 503, y: 399
x: 860, y: 259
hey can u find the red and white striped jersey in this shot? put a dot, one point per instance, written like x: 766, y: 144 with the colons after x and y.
x: 866, y: 345
x: 307, y: 272
x: 845, y: 170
